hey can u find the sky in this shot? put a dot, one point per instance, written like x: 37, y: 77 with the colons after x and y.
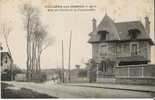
x: 59, y: 24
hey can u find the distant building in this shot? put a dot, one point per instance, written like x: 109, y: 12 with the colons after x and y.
x: 6, y: 61
x: 119, y: 44
x: 6, y: 64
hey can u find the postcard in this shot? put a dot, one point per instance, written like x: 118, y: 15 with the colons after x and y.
x: 77, y: 49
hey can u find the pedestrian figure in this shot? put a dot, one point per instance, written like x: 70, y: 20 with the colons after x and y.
x: 92, y: 71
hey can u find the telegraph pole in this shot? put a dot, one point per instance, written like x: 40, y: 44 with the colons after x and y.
x: 58, y: 74
x: 62, y: 62
x: 154, y: 51
x: 69, y: 79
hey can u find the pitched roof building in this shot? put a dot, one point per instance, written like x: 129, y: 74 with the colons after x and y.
x: 119, y: 44
x: 118, y: 31
x: 6, y: 60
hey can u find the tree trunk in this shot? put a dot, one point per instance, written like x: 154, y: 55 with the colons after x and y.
x: 28, y: 60
x: 39, y: 68
x: 28, y: 50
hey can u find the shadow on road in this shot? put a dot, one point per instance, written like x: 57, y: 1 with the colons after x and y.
x: 20, y: 93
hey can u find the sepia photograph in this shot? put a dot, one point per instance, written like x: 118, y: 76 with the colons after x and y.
x: 53, y: 49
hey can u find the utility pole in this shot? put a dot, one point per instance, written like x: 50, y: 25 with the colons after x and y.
x: 69, y: 79
x: 58, y: 73
x: 153, y: 58
x: 62, y: 62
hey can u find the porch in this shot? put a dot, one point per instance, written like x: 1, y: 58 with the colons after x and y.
x: 105, y: 72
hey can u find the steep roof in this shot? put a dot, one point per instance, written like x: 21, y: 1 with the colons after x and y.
x: 123, y: 28
x: 106, y: 24
x: 118, y: 31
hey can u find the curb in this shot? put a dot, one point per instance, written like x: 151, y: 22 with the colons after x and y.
x: 111, y: 88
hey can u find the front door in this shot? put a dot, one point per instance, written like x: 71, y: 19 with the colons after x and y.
x: 105, y: 69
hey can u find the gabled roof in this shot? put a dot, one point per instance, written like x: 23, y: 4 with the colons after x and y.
x: 123, y: 28
x: 108, y: 25
x: 118, y: 31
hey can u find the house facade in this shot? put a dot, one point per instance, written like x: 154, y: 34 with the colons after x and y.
x: 6, y: 63
x: 119, y: 44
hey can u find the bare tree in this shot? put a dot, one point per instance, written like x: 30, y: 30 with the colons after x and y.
x: 37, y: 40
x: 42, y: 42
x: 6, y: 30
x: 30, y: 15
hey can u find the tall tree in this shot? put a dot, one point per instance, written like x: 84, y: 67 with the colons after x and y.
x: 42, y: 42
x: 37, y: 40
x: 30, y: 15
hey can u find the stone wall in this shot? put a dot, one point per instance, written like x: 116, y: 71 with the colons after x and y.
x: 135, y: 74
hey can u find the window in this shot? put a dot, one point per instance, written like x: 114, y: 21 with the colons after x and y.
x: 6, y: 60
x: 102, y: 35
x: 103, y: 67
x: 133, y: 33
x: 103, y: 50
x: 119, y: 48
x: 133, y: 36
x: 134, y: 49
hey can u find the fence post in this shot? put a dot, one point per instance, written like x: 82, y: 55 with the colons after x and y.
x: 97, y: 71
x: 142, y: 71
x: 128, y: 71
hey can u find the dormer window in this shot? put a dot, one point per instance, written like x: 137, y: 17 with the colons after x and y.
x: 134, y: 49
x: 133, y: 33
x: 103, y: 35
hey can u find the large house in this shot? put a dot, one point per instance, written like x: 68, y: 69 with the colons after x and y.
x: 119, y: 44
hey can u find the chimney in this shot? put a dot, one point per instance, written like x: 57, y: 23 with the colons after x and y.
x: 94, y: 24
x: 147, y: 25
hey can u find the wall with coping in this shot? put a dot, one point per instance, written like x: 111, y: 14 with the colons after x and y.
x: 135, y: 74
